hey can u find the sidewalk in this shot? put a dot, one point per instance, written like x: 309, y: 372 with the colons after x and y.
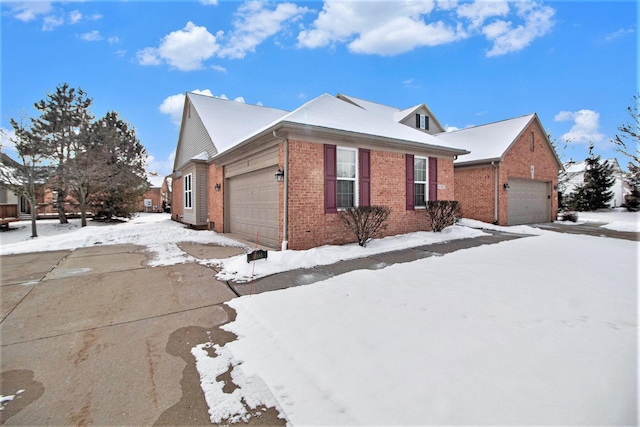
x: 306, y: 276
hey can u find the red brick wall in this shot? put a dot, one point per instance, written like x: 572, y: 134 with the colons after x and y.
x: 517, y: 164
x: 474, y: 187
x: 215, y: 199
x: 156, y: 200
x: 177, y: 205
x: 309, y: 226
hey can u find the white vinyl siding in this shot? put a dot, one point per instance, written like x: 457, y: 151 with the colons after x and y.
x: 347, y: 171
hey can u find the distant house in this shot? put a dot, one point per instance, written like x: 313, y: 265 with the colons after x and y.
x: 282, y: 177
x: 158, y: 195
x: 573, y: 176
x: 511, y: 175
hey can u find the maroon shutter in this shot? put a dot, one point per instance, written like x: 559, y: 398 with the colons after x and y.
x: 433, y: 178
x: 365, y: 177
x: 410, y: 196
x: 330, y: 179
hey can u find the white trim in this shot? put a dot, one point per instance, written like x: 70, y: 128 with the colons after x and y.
x: 354, y: 179
x: 187, y: 190
x: 425, y: 182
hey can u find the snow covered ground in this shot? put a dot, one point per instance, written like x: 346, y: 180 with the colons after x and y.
x: 615, y: 219
x: 539, y: 330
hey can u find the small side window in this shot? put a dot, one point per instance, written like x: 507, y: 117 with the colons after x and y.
x: 531, y: 144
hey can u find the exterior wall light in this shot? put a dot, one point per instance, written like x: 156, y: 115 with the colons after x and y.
x: 506, y: 186
x: 280, y: 175
x: 217, y: 186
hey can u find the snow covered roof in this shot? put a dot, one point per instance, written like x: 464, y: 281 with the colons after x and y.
x: 572, y: 167
x: 155, y: 179
x: 486, y: 142
x: 332, y: 113
x: 228, y: 121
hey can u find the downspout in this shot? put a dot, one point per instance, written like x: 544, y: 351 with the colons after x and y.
x: 285, y: 202
x: 495, y: 192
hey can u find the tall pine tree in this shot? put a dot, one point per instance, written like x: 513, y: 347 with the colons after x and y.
x: 598, y: 180
x: 123, y: 177
x: 62, y: 116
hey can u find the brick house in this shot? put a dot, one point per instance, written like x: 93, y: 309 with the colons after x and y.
x: 157, y: 197
x: 283, y: 176
x: 511, y: 175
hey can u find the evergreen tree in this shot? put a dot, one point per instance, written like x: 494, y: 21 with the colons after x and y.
x: 25, y: 177
x: 62, y: 115
x: 598, y: 181
x: 123, y: 181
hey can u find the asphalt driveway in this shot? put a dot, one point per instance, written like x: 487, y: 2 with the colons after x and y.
x: 94, y: 336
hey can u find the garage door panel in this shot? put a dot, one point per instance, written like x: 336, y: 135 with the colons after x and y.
x: 529, y: 202
x: 253, y: 206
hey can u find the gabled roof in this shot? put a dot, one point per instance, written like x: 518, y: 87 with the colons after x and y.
x: 333, y: 114
x: 227, y: 121
x: 488, y: 142
x: 395, y: 114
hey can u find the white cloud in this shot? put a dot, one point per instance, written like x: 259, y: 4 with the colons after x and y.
x: 209, y: 2
x: 479, y: 11
x: 75, y: 17
x: 162, y: 167
x: 538, y: 21
x: 91, y: 36
x: 113, y: 40
x: 49, y: 23
x: 393, y: 27
x: 239, y: 99
x: 29, y: 10
x: 384, y: 28
x: 184, y: 49
x: 7, y: 136
x: 617, y: 34
x: 255, y: 23
x: 585, y: 127
x: 219, y: 68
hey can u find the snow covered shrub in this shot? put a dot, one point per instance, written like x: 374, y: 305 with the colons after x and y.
x: 366, y: 222
x: 443, y: 213
x: 632, y: 200
x: 568, y: 216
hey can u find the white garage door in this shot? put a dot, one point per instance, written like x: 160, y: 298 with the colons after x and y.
x: 529, y: 202
x: 253, y: 206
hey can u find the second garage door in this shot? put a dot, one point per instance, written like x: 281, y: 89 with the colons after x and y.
x: 529, y: 202
x: 252, y: 201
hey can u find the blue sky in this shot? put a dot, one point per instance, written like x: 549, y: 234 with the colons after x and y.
x: 572, y: 62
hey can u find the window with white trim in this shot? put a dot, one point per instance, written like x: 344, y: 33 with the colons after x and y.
x: 420, y: 181
x: 188, y: 193
x: 346, y: 177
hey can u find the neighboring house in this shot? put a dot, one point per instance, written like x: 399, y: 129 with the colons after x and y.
x: 282, y: 177
x: 573, y: 176
x: 511, y: 175
x: 157, y: 197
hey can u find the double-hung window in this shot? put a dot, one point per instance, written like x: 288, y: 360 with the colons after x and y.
x: 346, y: 177
x: 188, y: 193
x: 420, y: 181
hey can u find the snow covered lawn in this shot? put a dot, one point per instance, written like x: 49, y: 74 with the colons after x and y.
x: 539, y: 330
x: 615, y: 219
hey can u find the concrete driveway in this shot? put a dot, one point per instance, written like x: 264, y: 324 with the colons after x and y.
x: 94, y: 336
